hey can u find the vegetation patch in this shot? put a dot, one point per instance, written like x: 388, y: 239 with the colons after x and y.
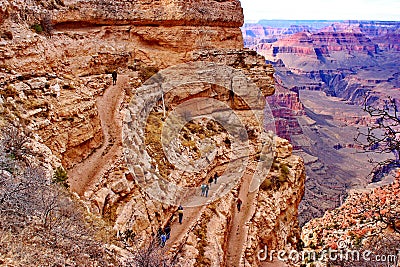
x: 274, y: 182
x: 154, y: 145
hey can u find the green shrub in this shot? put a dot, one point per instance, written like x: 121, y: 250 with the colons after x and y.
x: 45, y: 25
x: 285, y: 169
x: 284, y: 173
x: 37, y: 28
x: 60, y: 176
x: 147, y: 72
x: 267, y: 184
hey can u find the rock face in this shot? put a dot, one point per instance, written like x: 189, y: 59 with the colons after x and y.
x: 286, y: 108
x: 146, y: 43
x: 55, y: 86
x: 283, y: 202
x: 273, y: 211
x: 226, y: 13
x: 347, y: 61
x: 366, y: 220
x: 342, y: 59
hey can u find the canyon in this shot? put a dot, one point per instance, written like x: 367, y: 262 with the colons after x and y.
x: 56, y: 59
x: 270, y: 109
x: 325, y: 71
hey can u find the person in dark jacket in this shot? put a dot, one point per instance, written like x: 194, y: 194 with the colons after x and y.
x: 180, y: 213
x: 215, y: 178
x: 167, y: 231
x: 239, y: 204
x: 114, y: 77
x: 210, y: 181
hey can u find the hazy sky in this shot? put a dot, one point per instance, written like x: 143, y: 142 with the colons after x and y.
x: 322, y: 9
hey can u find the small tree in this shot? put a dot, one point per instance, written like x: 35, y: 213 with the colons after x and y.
x: 150, y: 255
x: 382, y: 137
x: 60, y: 176
x: 14, y: 142
x: 40, y: 220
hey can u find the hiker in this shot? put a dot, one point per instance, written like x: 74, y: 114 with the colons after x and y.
x: 159, y: 234
x: 114, y: 77
x: 206, y: 190
x: 239, y: 204
x: 167, y: 231
x: 203, y: 190
x: 163, y: 240
x: 210, y: 181
x: 180, y: 213
x: 215, y: 178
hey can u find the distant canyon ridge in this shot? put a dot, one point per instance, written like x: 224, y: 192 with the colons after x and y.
x: 324, y: 73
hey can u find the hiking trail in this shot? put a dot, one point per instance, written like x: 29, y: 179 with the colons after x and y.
x: 237, y: 233
x: 86, y: 173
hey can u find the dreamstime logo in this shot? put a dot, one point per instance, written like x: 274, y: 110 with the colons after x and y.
x: 343, y: 253
x: 179, y: 92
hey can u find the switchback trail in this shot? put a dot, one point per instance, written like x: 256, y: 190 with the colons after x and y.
x: 87, y: 173
x: 238, y: 232
x: 191, y: 215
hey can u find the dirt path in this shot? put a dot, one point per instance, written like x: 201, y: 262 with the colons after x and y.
x: 86, y: 174
x: 238, y: 232
x: 190, y: 218
x: 178, y: 231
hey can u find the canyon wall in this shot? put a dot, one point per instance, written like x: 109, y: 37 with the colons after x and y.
x: 348, y: 59
x: 330, y: 68
x: 37, y: 65
x: 55, y: 60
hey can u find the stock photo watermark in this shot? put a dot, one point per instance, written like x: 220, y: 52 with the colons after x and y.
x: 331, y: 255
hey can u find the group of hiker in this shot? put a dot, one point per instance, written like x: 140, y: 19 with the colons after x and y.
x: 164, y: 235
x: 206, y: 187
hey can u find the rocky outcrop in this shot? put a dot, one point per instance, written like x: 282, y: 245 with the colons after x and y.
x: 62, y: 111
x: 273, y: 211
x: 68, y: 120
x: 226, y: 13
x: 366, y: 216
x: 54, y: 86
x: 286, y: 108
x: 283, y: 201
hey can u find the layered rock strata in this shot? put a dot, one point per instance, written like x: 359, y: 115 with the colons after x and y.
x: 54, y: 82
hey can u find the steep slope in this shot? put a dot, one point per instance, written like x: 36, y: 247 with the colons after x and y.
x: 85, y: 173
x: 57, y: 82
x: 367, y: 221
x: 348, y: 62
